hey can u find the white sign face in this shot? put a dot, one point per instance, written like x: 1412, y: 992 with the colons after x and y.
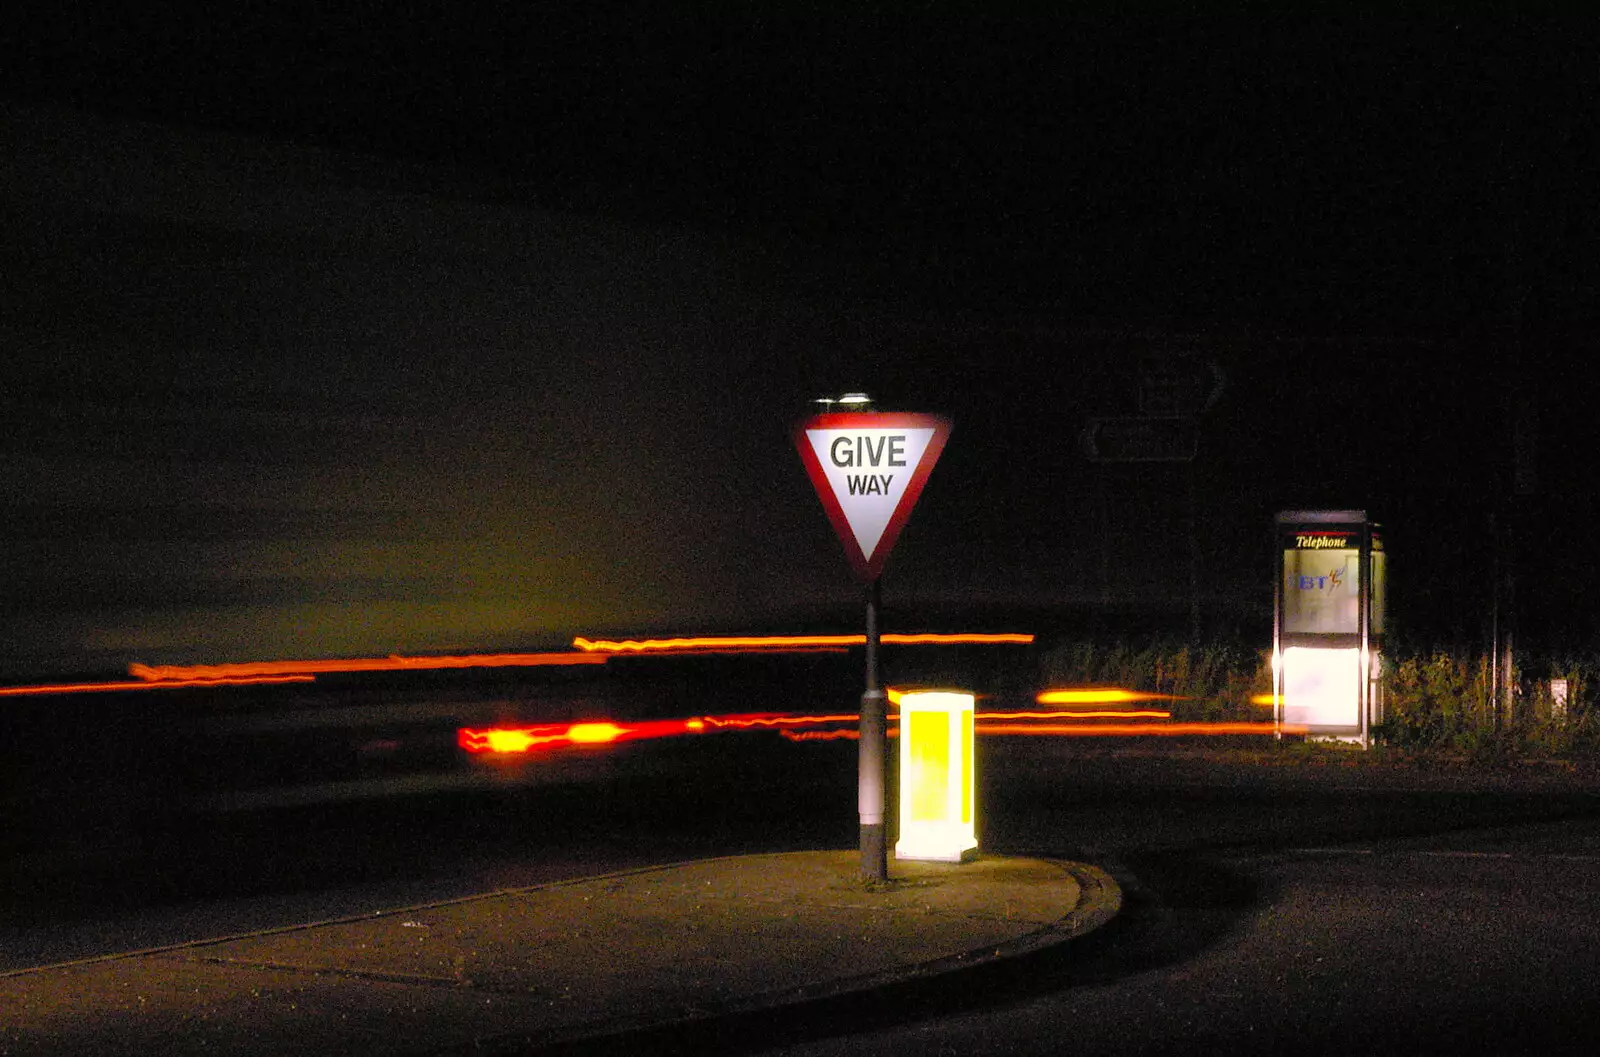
x: 869, y: 470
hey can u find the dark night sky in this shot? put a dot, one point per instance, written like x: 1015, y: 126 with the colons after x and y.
x: 445, y: 332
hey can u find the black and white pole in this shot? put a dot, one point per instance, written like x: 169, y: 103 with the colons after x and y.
x: 870, y: 787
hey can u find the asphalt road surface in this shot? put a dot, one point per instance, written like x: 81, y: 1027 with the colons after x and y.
x: 1285, y: 912
x: 1269, y: 909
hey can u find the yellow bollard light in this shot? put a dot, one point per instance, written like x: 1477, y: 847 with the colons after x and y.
x: 936, y: 777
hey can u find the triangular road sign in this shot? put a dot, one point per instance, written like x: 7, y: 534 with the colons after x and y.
x: 868, y: 469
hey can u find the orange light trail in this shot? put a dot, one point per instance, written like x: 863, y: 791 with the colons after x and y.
x: 763, y: 719
x: 594, y: 733
x: 895, y: 693
x: 827, y: 735
x: 392, y: 663
x: 957, y: 639
x: 776, y: 643
x: 1132, y: 713
x: 1129, y: 730
x: 728, y: 648
x: 1100, y: 696
x: 1091, y: 730
x: 93, y: 688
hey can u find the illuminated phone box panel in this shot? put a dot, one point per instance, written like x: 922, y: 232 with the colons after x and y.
x: 936, y: 777
x: 1322, y: 591
x: 1322, y: 688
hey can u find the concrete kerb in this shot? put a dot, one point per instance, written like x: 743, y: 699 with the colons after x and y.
x: 1100, y: 899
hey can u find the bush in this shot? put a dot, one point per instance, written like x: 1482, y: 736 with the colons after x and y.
x: 1561, y: 727
x: 1444, y: 701
x: 1433, y: 702
x: 1439, y: 701
x: 1212, y: 683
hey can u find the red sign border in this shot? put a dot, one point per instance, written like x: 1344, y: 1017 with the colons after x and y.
x: 865, y: 570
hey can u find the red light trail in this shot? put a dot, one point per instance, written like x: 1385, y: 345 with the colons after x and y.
x: 513, y: 740
x: 831, y: 727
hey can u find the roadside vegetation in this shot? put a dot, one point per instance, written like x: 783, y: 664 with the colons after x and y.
x: 1437, y: 706
x: 1444, y: 702
x: 1212, y: 683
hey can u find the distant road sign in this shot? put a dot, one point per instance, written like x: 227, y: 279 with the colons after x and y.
x: 1177, y: 387
x: 868, y: 469
x: 1140, y: 439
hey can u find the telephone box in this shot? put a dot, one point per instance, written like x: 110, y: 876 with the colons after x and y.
x: 1328, y: 625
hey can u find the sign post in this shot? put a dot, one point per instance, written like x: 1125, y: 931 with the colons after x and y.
x: 872, y: 746
x: 869, y: 469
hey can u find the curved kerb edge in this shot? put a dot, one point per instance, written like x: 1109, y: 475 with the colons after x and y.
x: 1099, y: 901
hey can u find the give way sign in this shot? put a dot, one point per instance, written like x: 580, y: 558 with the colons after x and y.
x: 868, y: 468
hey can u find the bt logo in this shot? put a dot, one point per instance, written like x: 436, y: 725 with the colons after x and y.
x: 1330, y: 582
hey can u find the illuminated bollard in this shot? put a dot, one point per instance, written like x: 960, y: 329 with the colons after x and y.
x: 936, y: 777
